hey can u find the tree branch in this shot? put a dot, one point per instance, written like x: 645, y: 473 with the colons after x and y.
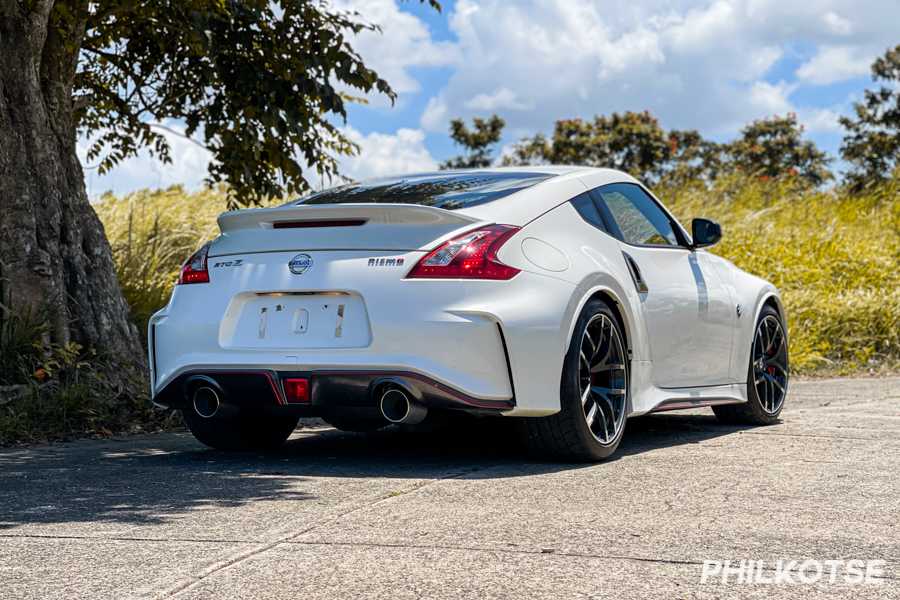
x: 179, y: 134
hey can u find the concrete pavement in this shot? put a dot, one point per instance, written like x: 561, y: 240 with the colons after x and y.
x: 463, y: 514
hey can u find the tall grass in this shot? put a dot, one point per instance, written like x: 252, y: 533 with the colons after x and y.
x: 152, y: 233
x: 835, y: 257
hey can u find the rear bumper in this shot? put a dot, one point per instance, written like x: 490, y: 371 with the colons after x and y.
x: 492, y: 343
x: 330, y: 392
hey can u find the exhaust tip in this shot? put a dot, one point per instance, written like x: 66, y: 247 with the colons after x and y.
x: 206, y: 402
x: 394, y: 405
x: 397, y: 407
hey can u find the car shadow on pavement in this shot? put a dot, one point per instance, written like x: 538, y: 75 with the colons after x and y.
x: 665, y: 430
x: 145, y: 480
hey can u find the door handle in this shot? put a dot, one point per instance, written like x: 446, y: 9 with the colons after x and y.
x: 636, y: 276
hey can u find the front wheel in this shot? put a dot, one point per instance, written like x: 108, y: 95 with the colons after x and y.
x: 767, y: 375
x: 242, y: 432
x: 593, y: 392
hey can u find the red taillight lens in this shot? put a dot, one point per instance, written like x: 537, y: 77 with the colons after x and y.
x: 472, y: 255
x: 296, y: 390
x: 194, y: 269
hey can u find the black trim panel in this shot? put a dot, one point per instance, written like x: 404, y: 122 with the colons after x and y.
x: 331, y: 391
x: 509, y: 372
x: 686, y: 403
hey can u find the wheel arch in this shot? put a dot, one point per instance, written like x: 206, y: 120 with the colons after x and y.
x: 767, y: 296
x: 770, y: 298
x: 615, y: 299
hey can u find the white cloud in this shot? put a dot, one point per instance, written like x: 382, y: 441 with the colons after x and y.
x: 836, y: 63
x: 387, y: 154
x: 705, y: 65
x: 435, y: 114
x: 837, y: 24
x: 403, y: 43
x: 820, y: 120
x: 770, y: 99
x: 503, y: 98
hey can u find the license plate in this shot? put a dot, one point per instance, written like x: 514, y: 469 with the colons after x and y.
x: 289, y: 321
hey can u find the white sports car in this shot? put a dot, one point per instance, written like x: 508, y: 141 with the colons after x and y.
x: 567, y: 296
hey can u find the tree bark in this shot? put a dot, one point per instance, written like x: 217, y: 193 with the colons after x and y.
x: 54, y: 255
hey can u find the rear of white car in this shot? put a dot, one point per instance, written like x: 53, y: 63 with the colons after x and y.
x: 555, y: 292
x: 321, y: 309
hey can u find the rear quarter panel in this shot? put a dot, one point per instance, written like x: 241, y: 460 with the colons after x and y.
x: 594, y: 264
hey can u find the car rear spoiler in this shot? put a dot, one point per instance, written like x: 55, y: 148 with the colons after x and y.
x: 340, y: 214
x: 392, y: 227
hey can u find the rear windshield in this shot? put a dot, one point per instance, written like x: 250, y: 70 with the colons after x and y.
x: 448, y: 190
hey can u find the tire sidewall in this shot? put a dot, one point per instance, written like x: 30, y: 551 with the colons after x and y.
x: 570, y: 395
x: 755, y: 404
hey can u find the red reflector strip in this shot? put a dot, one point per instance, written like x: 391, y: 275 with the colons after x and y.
x: 318, y: 223
x: 296, y: 390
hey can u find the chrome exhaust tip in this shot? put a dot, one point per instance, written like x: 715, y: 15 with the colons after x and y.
x: 206, y: 402
x: 397, y: 407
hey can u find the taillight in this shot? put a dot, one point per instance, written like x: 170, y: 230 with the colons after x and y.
x: 472, y: 255
x: 194, y: 269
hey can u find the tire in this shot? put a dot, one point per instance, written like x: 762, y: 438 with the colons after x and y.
x: 242, y: 432
x: 567, y: 434
x: 762, y: 408
x: 355, y: 425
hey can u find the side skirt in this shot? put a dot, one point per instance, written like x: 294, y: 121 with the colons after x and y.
x: 650, y: 399
x: 676, y: 404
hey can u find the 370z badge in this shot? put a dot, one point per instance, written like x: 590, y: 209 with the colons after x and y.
x: 300, y: 264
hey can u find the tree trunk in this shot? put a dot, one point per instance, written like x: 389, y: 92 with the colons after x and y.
x: 54, y: 255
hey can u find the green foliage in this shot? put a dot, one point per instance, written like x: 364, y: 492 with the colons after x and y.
x: 692, y: 159
x: 478, y: 143
x: 774, y: 148
x: 69, y: 396
x: 833, y: 255
x: 637, y: 144
x: 633, y: 142
x: 259, y: 82
x: 21, y: 333
x: 872, y: 143
x: 50, y: 391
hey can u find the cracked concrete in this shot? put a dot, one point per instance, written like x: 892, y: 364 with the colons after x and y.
x: 456, y: 514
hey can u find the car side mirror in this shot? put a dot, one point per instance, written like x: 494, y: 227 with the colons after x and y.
x: 705, y: 232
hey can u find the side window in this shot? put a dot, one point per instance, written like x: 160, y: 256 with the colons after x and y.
x: 585, y: 206
x: 638, y: 218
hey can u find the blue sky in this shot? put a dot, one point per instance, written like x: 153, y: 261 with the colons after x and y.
x: 706, y: 65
